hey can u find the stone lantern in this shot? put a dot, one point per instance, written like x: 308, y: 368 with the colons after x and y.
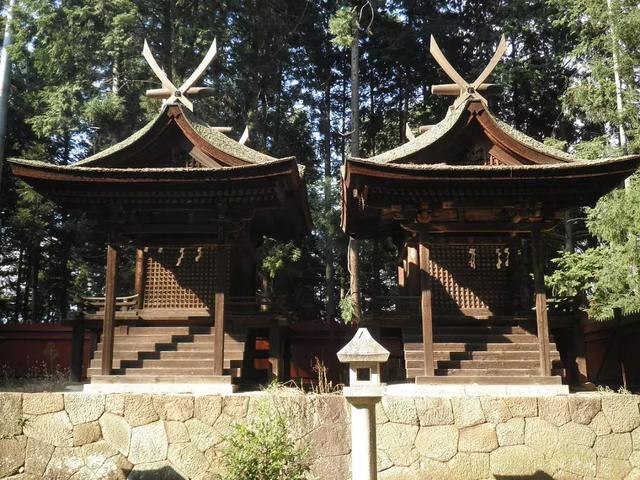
x: 364, y: 356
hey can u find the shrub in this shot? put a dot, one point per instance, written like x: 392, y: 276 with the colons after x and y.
x: 263, y: 449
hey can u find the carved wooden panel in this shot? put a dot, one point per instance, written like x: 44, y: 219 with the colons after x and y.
x: 180, y: 278
x: 471, y: 277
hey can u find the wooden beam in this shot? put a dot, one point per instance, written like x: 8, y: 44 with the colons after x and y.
x: 412, y: 283
x: 425, y: 307
x: 77, y: 351
x: 221, y: 286
x: 275, y: 351
x: 542, y: 320
x: 108, y: 323
x: 139, y: 277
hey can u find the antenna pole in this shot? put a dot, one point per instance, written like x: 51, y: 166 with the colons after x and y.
x: 5, y: 72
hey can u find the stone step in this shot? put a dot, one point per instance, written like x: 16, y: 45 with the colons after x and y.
x: 162, y: 354
x: 489, y: 380
x: 185, y: 372
x: 485, y: 338
x: 157, y: 338
x: 507, y: 372
x: 473, y: 347
x: 481, y: 329
x: 481, y: 364
x: 171, y: 346
x: 169, y: 330
x: 166, y: 363
x: 480, y: 355
x: 132, y: 379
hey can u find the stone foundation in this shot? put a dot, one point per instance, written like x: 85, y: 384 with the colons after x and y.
x: 117, y: 436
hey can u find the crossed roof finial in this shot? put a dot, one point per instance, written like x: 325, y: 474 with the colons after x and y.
x: 462, y: 89
x: 169, y: 91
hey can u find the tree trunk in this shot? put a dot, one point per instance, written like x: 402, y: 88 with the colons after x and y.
x: 34, y: 268
x: 325, y: 132
x: 354, y: 245
x: 622, y: 138
x: 5, y: 72
x: 18, y: 298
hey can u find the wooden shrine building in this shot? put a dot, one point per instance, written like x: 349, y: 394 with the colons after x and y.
x: 195, y: 204
x: 471, y: 197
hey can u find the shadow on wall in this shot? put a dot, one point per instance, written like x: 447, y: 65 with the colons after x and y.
x: 164, y: 473
x: 536, y: 476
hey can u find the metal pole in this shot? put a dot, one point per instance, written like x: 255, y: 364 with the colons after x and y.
x: 5, y: 71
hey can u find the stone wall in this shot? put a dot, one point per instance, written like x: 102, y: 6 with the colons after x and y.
x: 89, y: 436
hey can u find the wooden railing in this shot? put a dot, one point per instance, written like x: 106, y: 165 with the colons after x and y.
x: 258, y: 305
x: 96, y: 304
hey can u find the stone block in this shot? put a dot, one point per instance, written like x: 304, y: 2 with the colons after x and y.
x: 37, y: 456
x: 621, y: 411
x: 235, y: 407
x: 635, y: 437
x: 41, y: 403
x: 635, y: 459
x: 148, y: 443
x: 383, y: 460
x: 381, y: 416
x: 114, y: 468
x: 392, y: 435
x: 330, y: 440
x: 331, y: 409
x: 114, y: 403
x: 633, y: 474
x: 522, y: 406
x: 176, y: 432
x: 84, y: 407
x: 65, y: 462
x: 202, y: 435
x: 400, y: 410
x: 467, y: 411
x: 600, y: 424
x: 12, y: 454
x: 469, y: 466
x: 116, y: 431
x: 403, y: 456
x: 510, y: 432
x: 554, y: 410
x: 478, y: 439
x: 614, y: 445
x: 139, y: 409
x: 188, y: 460
x: 517, y: 461
x: 541, y: 436
x: 437, y: 442
x: 95, y: 454
x: 208, y: 408
x: 10, y: 414
x: 86, y: 433
x: 331, y: 467
x: 52, y: 428
x: 174, y: 407
x: 434, y: 411
x: 583, y: 408
x: 84, y: 473
x: 576, y: 459
x: 578, y: 434
x: 495, y: 410
x: 613, y: 469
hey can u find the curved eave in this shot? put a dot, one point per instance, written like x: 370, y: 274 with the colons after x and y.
x: 27, y: 169
x: 215, y: 144
x: 597, y: 168
x: 427, y: 146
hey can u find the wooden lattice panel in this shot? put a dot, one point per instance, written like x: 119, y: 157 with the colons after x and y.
x: 471, y: 277
x: 180, y: 278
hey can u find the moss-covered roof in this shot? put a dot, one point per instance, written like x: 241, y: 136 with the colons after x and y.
x: 453, y: 118
x: 212, y: 136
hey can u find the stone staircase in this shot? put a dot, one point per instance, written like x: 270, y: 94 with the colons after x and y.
x: 168, y: 354
x: 488, y: 350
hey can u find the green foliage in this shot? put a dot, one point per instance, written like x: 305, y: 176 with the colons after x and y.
x: 279, y: 258
x: 264, y: 448
x: 342, y: 26
x: 346, y: 309
x: 606, y: 274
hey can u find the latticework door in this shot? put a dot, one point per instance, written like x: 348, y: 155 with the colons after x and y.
x: 471, y: 277
x: 180, y: 278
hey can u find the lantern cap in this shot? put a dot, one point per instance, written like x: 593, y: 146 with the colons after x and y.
x: 363, y: 348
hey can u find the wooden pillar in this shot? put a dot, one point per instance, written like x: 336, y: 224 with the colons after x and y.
x: 414, y: 278
x: 221, y: 286
x: 108, y: 324
x: 542, y: 320
x: 276, y: 358
x: 77, y: 351
x: 425, y: 307
x: 139, y: 277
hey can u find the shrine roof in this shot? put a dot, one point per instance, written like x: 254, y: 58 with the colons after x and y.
x: 217, y: 151
x: 454, y: 122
